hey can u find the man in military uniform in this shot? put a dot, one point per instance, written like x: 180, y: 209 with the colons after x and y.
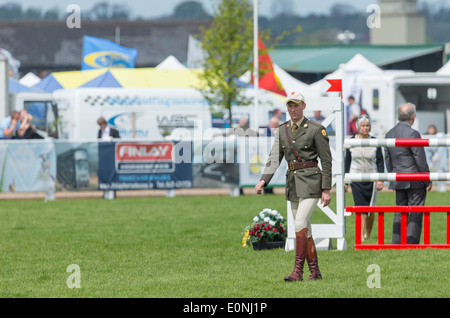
x: 301, y: 142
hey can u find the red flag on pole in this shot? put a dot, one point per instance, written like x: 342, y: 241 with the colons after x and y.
x: 336, y: 85
x: 268, y: 79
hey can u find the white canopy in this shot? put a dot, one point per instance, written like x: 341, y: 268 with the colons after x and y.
x: 350, y: 73
x: 170, y: 63
x: 289, y: 82
x: 29, y: 79
x: 444, y: 70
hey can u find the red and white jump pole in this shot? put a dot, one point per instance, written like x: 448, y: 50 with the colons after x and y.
x: 399, y: 176
x: 372, y: 177
x: 396, y: 142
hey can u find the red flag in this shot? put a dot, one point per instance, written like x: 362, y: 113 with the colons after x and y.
x: 336, y: 85
x: 268, y: 79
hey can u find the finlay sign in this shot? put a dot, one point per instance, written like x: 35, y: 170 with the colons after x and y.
x: 131, y: 165
x: 153, y: 157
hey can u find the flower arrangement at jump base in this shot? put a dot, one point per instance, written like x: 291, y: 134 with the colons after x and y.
x: 268, y: 230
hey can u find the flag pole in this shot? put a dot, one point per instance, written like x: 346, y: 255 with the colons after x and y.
x: 255, y: 64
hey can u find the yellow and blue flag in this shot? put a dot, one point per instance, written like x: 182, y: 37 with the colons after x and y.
x: 100, y: 53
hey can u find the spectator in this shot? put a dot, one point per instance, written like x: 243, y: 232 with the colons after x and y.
x: 432, y: 130
x: 9, y: 125
x: 274, y: 122
x: 409, y: 160
x: 319, y: 119
x: 106, y: 132
x: 437, y: 157
x: 277, y: 114
x: 26, y: 130
x: 243, y: 129
x: 354, y: 111
x: 364, y: 160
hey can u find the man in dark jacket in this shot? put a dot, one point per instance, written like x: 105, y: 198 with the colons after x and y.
x: 409, y: 160
x: 106, y: 132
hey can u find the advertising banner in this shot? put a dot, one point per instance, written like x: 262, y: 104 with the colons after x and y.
x: 77, y: 165
x: 144, y: 165
x: 252, y: 156
x: 215, y: 163
x: 28, y: 167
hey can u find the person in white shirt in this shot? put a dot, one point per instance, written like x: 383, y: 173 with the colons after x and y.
x: 106, y: 132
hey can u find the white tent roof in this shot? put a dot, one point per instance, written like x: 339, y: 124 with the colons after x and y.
x: 444, y: 70
x: 170, y: 63
x: 29, y: 80
x: 357, y: 64
x: 289, y: 82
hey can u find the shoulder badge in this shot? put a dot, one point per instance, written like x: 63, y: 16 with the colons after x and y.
x: 324, y: 132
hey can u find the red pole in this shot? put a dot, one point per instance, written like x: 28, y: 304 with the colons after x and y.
x: 403, y: 235
x: 358, y: 228
x: 404, y: 176
x: 426, y: 228
x: 448, y: 227
x: 412, y: 142
x: 381, y: 228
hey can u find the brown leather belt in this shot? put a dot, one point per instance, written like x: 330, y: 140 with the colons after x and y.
x: 295, y: 165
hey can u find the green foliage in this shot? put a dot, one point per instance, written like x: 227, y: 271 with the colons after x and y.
x: 228, y: 46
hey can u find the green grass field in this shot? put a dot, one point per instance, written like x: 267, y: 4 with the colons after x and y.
x: 191, y: 247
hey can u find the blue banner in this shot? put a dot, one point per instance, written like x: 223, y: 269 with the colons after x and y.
x: 144, y: 165
x: 100, y: 53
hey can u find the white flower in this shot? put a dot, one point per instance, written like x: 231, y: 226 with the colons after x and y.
x: 255, y: 219
x: 272, y: 223
x: 274, y: 212
x: 266, y: 210
x: 266, y: 219
x: 261, y: 214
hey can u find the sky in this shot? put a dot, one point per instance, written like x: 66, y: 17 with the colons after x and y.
x: 158, y: 8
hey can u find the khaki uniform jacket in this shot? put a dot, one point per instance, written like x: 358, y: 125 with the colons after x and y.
x: 311, y: 142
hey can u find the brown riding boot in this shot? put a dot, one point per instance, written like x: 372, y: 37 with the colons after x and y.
x: 313, y: 263
x: 301, y: 244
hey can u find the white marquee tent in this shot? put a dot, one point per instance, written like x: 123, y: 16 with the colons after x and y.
x: 170, y: 63
x: 444, y: 70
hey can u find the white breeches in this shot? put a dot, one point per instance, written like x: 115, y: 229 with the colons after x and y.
x: 302, y: 211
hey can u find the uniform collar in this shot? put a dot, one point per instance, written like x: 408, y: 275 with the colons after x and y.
x: 302, y: 125
x: 300, y: 122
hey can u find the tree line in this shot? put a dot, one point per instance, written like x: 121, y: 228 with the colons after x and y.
x: 315, y: 28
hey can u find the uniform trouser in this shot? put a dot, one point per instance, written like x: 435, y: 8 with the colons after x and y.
x: 414, y: 221
x: 302, y: 211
